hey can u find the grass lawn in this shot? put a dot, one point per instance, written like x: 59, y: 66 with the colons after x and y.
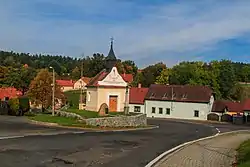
x: 70, y: 122
x: 74, y: 97
x: 64, y: 121
x: 93, y: 114
x: 244, y: 154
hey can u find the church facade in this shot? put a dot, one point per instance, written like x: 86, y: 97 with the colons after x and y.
x: 109, y: 87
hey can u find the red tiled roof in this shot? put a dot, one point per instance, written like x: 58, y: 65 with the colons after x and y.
x: 234, y: 106
x: 68, y: 83
x: 86, y: 79
x: 127, y: 77
x: 9, y: 92
x: 246, y: 105
x: 101, y: 75
x: 231, y: 106
x: 137, y: 95
x: 219, y: 106
x: 182, y: 93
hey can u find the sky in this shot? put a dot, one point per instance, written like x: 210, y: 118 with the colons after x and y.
x: 145, y: 31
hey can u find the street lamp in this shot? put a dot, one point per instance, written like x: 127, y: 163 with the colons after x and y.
x: 126, y: 107
x: 53, y: 92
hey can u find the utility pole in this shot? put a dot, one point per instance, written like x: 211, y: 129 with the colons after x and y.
x: 81, y: 94
x: 53, y: 92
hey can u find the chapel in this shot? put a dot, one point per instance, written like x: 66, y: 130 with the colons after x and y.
x: 108, y: 86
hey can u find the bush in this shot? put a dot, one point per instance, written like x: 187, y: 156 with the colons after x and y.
x: 24, y: 104
x: 14, y: 106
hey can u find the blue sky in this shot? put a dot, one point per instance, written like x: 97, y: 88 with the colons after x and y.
x: 144, y: 31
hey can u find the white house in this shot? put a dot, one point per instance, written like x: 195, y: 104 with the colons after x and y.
x: 178, y: 101
x: 136, y: 99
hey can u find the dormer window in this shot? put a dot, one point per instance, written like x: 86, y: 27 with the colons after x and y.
x: 174, y: 95
x: 152, y: 95
x: 165, y: 95
x: 184, y: 96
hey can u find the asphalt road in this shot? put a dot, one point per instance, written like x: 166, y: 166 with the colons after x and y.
x: 109, y: 149
x: 18, y: 126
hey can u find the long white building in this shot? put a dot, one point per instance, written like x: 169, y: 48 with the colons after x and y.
x: 174, y: 101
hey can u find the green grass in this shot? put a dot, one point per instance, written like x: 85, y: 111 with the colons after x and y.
x: 244, y: 154
x: 74, y: 96
x: 70, y: 122
x: 64, y: 121
x: 93, y: 114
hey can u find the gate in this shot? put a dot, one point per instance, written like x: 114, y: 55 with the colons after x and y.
x: 213, y: 117
x: 226, y: 118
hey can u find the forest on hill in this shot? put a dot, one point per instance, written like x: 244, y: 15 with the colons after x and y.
x: 223, y: 76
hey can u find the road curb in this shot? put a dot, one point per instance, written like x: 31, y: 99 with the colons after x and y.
x: 91, y: 129
x: 157, y: 159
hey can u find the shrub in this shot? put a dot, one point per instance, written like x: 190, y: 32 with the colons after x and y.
x: 24, y: 104
x: 14, y: 106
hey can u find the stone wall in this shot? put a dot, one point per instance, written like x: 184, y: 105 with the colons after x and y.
x: 119, y: 121
x: 68, y: 114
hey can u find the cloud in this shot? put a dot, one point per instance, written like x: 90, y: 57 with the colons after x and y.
x: 146, y: 33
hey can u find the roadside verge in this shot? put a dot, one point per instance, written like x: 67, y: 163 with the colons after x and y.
x: 157, y: 159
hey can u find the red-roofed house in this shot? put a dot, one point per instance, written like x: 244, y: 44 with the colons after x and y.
x: 136, y: 99
x: 109, y: 87
x: 9, y: 92
x: 65, y: 85
x: 81, y: 83
x: 178, y: 101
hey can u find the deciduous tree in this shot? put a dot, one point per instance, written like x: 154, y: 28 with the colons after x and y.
x: 41, y: 89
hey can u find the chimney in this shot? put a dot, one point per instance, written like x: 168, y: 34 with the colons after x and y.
x: 139, y: 85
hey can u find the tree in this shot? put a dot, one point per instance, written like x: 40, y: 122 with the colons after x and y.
x: 130, y: 67
x: 226, y: 79
x: 150, y: 73
x: 245, y: 73
x: 3, y: 74
x: 137, y: 79
x: 40, y: 90
x: 20, y: 78
x: 163, y: 78
x: 76, y: 73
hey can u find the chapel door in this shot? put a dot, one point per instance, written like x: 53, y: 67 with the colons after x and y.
x: 112, y: 103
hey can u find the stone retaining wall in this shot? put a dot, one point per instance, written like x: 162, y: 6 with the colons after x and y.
x: 119, y: 121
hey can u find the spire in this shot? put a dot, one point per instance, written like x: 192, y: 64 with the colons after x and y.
x: 111, y: 59
x: 111, y: 55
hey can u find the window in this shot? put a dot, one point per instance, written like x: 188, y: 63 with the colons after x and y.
x: 137, y: 109
x: 153, y: 109
x: 160, y: 110
x: 196, y: 113
x: 168, y: 111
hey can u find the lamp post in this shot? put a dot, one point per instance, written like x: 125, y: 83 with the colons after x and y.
x: 126, y: 109
x: 53, y: 92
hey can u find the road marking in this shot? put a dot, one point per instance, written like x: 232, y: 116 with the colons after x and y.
x: 154, y: 161
x: 10, y: 137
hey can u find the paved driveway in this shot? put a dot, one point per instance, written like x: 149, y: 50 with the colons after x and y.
x: 109, y: 149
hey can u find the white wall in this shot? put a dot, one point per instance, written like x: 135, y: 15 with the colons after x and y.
x: 131, y: 107
x: 180, y: 110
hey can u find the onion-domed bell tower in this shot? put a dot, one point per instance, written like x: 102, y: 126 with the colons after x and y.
x: 110, y: 59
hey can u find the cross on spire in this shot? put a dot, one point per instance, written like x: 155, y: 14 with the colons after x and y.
x: 111, y: 40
